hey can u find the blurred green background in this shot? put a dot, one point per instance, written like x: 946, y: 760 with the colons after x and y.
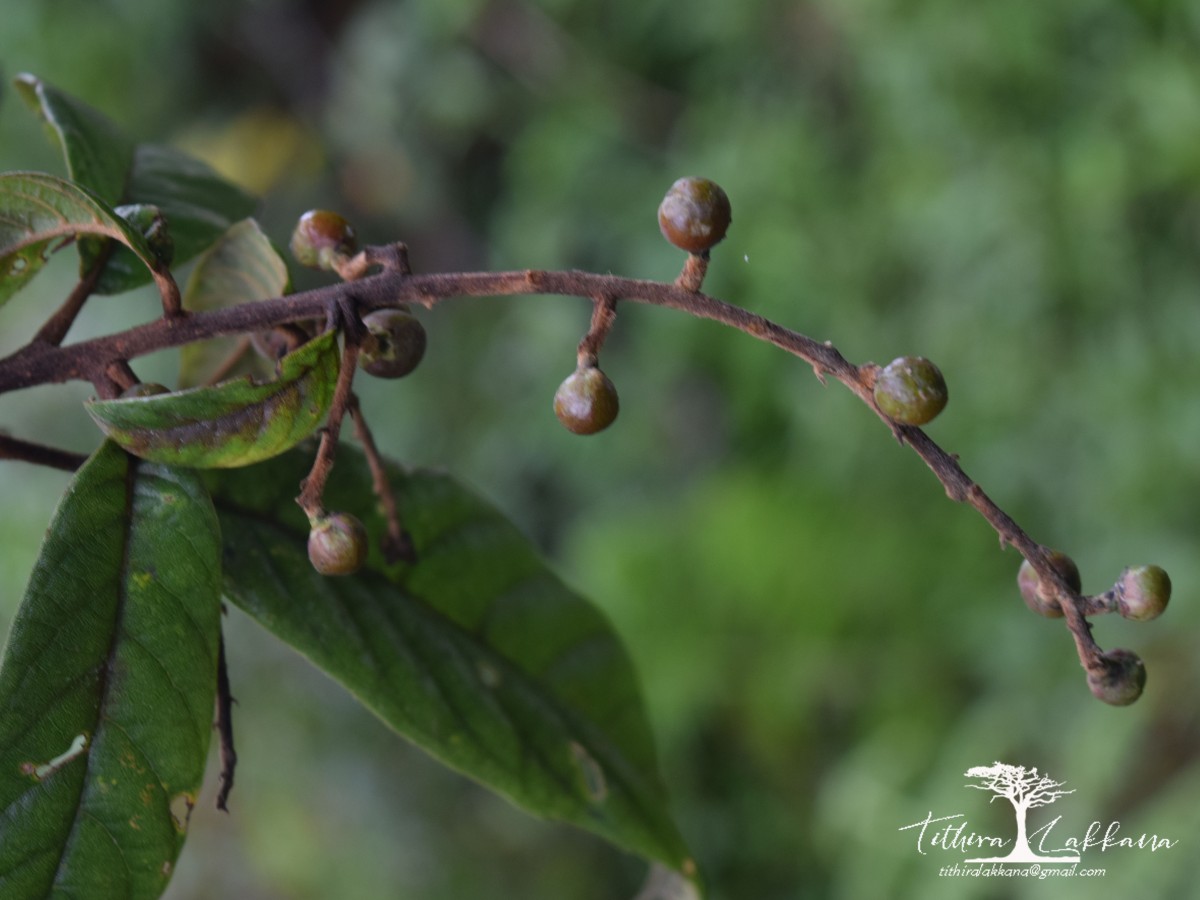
x: 826, y: 642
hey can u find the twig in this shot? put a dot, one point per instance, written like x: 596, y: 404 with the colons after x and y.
x: 172, y: 302
x: 398, y: 545
x: 313, y: 488
x: 121, y: 374
x: 224, y: 726
x: 604, y: 315
x: 57, y: 326
x: 393, y: 287
x: 694, y: 270
x: 39, y: 454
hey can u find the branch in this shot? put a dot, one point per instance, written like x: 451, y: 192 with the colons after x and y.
x: 39, y: 454
x: 57, y: 326
x: 398, y: 544
x: 224, y: 725
x: 39, y: 363
x: 313, y: 487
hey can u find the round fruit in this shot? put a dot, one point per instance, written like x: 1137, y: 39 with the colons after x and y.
x: 695, y: 214
x: 910, y: 390
x: 586, y: 402
x: 321, y: 237
x: 144, y: 389
x: 1122, y: 679
x: 394, y: 345
x: 1032, y: 590
x: 1143, y: 592
x: 337, y: 544
x: 149, y: 220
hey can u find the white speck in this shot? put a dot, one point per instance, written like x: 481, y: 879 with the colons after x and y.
x: 593, y: 775
x: 489, y: 675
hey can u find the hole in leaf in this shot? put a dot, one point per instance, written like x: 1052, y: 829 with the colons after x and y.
x: 181, y: 810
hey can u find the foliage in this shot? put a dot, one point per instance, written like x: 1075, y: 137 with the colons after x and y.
x: 472, y: 650
x: 107, y: 685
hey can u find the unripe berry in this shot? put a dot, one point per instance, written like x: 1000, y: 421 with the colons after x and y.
x: 1033, y: 591
x: 144, y: 389
x: 695, y: 214
x: 149, y: 220
x: 395, y: 343
x: 337, y: 544
x: 1143, y: 592
x: 586, y: 402
x: 910, y: 390
x: 1122, y: 679
x: 321, y: 237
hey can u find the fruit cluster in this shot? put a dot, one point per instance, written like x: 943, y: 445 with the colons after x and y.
x: 909, y: 392
x: 1140, y: 594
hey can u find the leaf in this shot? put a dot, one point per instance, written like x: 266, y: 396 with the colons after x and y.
x: 39, y: 211
x: 98, y: 154
x: 197, y: 203
x: 476, y: 652
x: 107, y: 685
x: 234, y: 423
x: 241, y: 266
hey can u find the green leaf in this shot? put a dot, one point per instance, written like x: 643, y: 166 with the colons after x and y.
x: 476, y: 652
x: 241, y: 266
x: 39, y: 212
x: 98, y: 154
x: 197, y: 203
x: 107, y: 685
x: 234, y: 423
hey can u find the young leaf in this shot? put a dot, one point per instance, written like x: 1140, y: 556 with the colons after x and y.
x: 40, y: 211
x: 241, y: 266
x: 107, y: 685
x: 234, y: 423
x: 197, y: 203
x: 476, y: 652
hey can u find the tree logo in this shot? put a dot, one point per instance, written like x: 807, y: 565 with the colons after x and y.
x: 1024, y: 789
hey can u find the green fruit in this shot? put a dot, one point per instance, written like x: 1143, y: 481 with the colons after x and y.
x: 394, y: 345
x: 1032, y: 590
x: 321, y: 237
x: 150, y: 221
x: 337, y: 544
x: 1121, y: 680
x: 586, y: 402
x: 910, y: 390
x: 695, y: 214
x: 144, y: 389
x: 1143, y: 592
